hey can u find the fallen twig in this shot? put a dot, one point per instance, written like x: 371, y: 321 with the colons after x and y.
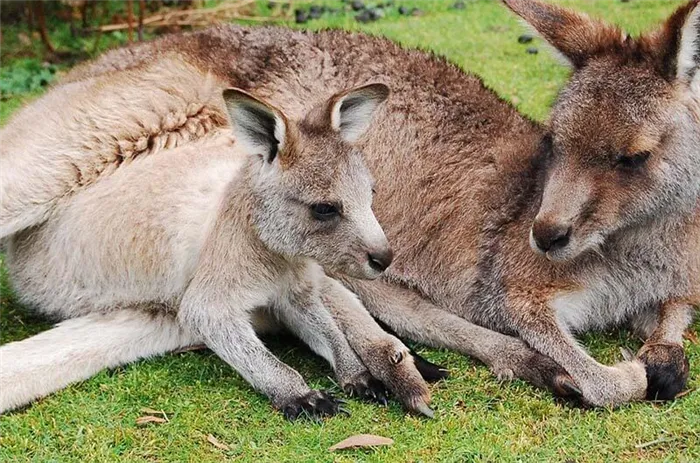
x: 199, y: 17
x: 215, y: 442
x: 661, y: 440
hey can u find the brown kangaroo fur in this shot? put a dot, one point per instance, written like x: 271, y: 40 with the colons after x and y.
x: 537, y: 232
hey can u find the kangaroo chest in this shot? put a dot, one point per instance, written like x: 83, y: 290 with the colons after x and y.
x: 617, y: 289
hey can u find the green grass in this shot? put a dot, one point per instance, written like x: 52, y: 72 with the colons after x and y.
x: 478, y: 418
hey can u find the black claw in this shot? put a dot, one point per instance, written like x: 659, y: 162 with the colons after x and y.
x: 314, y: 405
x: 350, y: 390
x: 430, y: 372
x: 571, y: 388
x: 372, y: 391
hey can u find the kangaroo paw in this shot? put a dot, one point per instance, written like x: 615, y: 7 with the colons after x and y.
x: 667, y: 370
x: 540, y: 371
x: 366, y: 387
x: 314, y: 405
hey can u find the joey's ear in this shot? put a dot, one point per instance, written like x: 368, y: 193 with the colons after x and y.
x: 575, y: 36
x: 678, y: 46
x: 351, y: 112
x: 257, y: 126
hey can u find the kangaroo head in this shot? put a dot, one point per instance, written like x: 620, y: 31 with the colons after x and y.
x: 624, y: 132
x: 311, y: 189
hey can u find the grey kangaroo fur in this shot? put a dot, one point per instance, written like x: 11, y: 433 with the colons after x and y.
x: 153, y: 245
x: 510, y: 236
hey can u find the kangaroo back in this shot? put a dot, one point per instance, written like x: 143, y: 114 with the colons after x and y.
x: 82, y: 131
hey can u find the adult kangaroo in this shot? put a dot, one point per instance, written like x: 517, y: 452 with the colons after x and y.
x: 503, y: 227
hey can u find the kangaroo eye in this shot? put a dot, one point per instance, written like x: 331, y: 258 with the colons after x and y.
x: 632, y: 162
x: 324, y: 211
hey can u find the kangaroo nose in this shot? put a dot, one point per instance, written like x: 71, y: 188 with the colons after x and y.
x: 550, y: 237
x: 380, y: 260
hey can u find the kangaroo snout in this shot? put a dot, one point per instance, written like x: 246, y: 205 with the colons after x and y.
x: 379, y: 260
x: 549, y: 236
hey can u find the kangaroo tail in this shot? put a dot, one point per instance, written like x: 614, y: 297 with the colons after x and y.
x: 78, y: 348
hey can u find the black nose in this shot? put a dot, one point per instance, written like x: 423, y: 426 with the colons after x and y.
x: 550, y: 237
x: 381, y: 260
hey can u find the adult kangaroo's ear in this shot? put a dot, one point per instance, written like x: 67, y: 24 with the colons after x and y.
x: 351, y: 112
x: 577, y: 37
x: 260, y: 128
x: 677, y: 46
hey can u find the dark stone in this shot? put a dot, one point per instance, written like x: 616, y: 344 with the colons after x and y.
x: 301, y: 17
x: 315, y: 11
x: 357, y: 5
x: 525, y: 38
x: 376, y: 13
x: 532, y: 50
x: 460, y: 5
x: 403, y: 10
x: 364, y: 17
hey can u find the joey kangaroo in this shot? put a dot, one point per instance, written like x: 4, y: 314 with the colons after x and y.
x: 469, y: 187
x: 510, y: 237
x: 145, y: 251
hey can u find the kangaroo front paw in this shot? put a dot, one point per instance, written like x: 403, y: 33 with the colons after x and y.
x: 538, y: 370
x: 314, y: 405
x: 392, y: 363
x: 622, y: 383
x: 366, y: 387
x: 667, y: 370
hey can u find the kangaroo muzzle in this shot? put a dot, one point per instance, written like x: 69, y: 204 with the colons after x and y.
x: 380, y: 260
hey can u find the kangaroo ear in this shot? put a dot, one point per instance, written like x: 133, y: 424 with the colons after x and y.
x: 575, y: 36
x: 678, y: 42
x: 351, y: 111
x: 257, y: 126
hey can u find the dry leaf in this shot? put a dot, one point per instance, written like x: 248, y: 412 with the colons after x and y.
x: 151, y: 411
x: 143, y: 420
x: 24, y: 39
x: 692, y: 336
x: 215, y: 442
x: 361, y: 441
x: 684, y: 393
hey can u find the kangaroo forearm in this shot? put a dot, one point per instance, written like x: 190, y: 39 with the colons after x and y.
x: 351, y: 316
x: 416, y: 318
x: 239, y: 347
x: 674, y: 319
x: 231, y: 336
x: 600, y: 384
x: 313, y: 324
